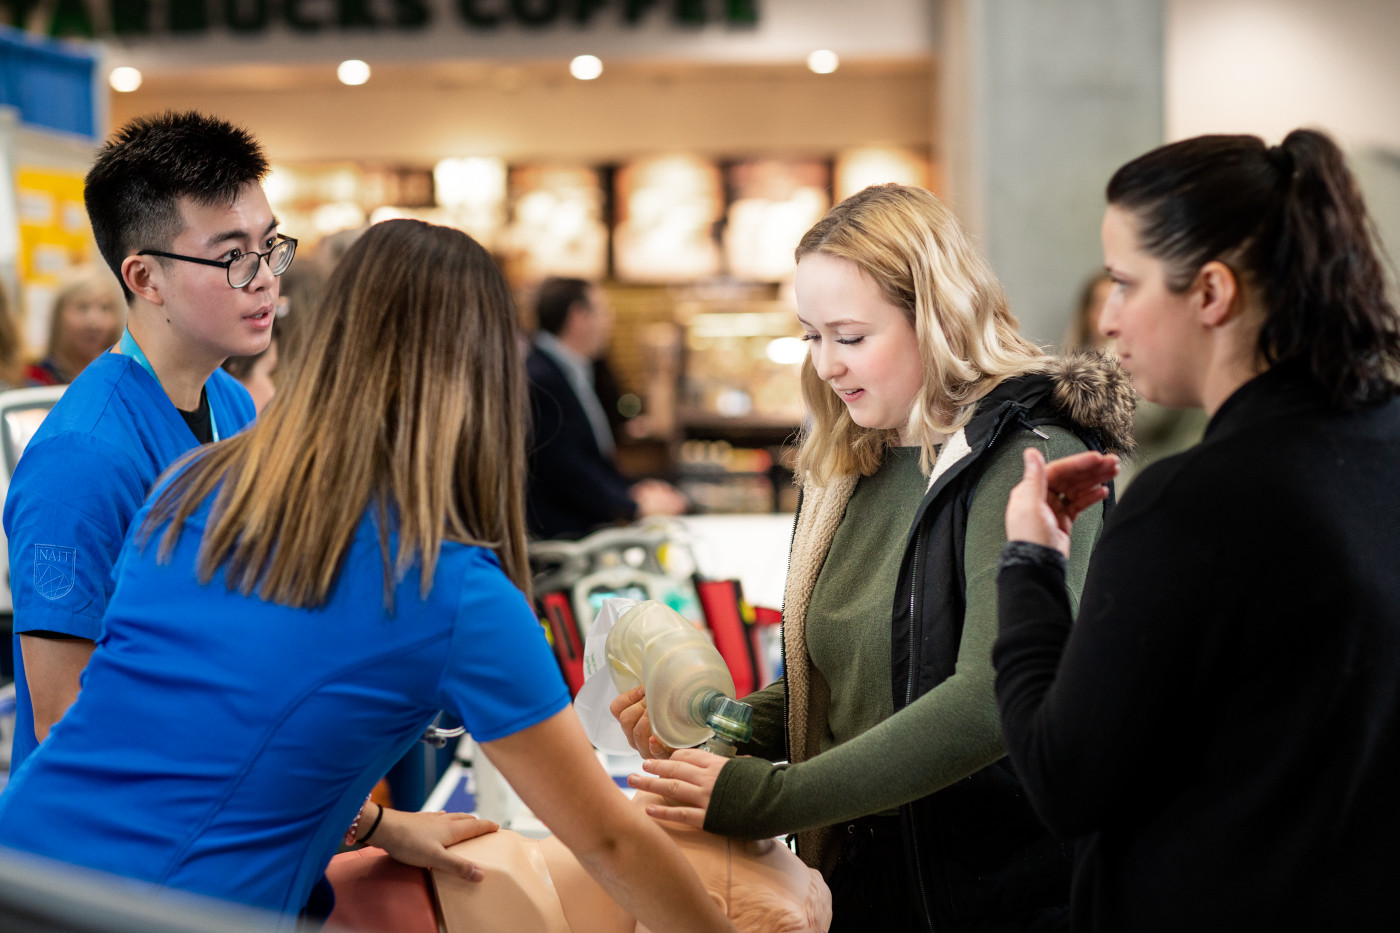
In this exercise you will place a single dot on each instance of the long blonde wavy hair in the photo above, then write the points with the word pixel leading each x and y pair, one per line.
pixel 408 399
pixel 914 250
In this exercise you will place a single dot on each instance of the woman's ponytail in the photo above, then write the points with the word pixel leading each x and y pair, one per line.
pixel 1322 276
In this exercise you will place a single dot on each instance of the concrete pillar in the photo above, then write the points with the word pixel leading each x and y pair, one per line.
pixel 1378 172
pixel 1040 100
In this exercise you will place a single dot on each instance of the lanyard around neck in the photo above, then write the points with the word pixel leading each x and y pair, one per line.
pixel 129 347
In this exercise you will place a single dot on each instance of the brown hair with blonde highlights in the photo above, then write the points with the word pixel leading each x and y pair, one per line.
pixel 408 399
pixel 911 247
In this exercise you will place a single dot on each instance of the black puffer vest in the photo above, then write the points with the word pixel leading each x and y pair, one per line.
pixel 979 858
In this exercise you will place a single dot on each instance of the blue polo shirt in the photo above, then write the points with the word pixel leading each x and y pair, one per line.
pixel 222 743
pixel 83 476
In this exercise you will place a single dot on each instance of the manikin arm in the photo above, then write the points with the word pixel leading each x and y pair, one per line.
pixel 553 768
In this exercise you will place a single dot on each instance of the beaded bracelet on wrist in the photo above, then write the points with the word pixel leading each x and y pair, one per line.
pixel 355 824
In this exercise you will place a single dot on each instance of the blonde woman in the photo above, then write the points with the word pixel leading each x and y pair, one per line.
pixel 86 321
pixel 297 601
pixel 922 398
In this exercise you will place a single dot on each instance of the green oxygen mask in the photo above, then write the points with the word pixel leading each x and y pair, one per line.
pixel 690 693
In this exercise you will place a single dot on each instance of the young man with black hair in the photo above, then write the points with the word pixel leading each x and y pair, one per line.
pixel 179 214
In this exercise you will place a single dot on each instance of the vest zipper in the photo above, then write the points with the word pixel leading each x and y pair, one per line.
pixel 909 698
pixel 913 620
pixel 1020 415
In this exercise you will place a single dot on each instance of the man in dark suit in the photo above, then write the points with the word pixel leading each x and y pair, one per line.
pixel 574 485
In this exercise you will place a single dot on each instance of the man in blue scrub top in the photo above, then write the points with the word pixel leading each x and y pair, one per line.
pixel 178 212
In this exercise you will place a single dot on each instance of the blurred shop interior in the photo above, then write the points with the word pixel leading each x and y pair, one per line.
pixel 675 151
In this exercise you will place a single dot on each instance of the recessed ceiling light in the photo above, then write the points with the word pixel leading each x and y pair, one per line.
pixel 823 61
pixel 586 67
pixel 352 72
pixel 124 79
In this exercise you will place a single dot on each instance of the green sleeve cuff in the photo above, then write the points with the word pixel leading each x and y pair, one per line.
pixel 741 804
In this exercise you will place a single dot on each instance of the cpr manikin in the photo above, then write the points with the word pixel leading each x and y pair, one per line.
pixel 538 886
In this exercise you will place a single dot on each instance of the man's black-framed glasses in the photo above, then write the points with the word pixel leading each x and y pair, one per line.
pixel 243 268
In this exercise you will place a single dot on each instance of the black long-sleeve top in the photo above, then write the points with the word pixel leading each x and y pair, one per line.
pixel 1220 725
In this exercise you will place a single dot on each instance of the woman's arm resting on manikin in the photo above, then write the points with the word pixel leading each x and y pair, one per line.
pixel 422 839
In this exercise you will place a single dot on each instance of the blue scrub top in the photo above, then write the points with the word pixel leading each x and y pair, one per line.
pixel 221 743
pixel 82 477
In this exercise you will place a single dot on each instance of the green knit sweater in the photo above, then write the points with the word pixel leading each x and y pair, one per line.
pixel 871 761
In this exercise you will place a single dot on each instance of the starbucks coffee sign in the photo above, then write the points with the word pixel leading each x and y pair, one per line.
pixel 141 19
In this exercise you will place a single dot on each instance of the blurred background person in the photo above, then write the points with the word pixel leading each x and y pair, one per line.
pixel 9 379
pixel 86 321
pixel 1084 326
pixel 574 484
pixel 296 304
pixel 256 373
pixel 1158 431
pixel 9 345
pixel 301 288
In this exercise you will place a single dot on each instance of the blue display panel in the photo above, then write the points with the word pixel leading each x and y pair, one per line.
pixel 50 83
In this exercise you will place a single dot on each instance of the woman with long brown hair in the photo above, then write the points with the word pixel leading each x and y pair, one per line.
pixel 298 601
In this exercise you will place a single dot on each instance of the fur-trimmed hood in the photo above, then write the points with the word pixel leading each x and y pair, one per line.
pixel 1095 391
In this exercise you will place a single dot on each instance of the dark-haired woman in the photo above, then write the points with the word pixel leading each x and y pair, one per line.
pixel 297 601
pixel 1220 724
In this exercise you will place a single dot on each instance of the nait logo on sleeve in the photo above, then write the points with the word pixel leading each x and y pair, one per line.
pixel 55 569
